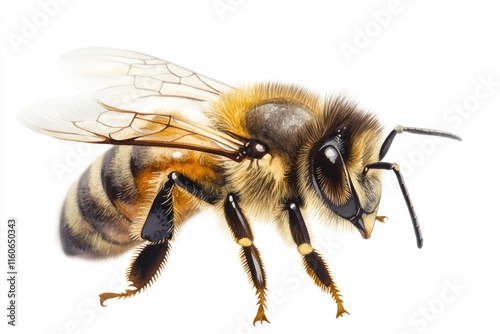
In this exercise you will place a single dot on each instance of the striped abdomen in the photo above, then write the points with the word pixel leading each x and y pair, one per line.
pixel 115 193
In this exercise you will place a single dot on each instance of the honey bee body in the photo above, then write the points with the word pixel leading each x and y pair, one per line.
pixel 118 188
pixel 272 152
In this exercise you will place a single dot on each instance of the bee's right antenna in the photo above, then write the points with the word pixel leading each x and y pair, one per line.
pixel 392 166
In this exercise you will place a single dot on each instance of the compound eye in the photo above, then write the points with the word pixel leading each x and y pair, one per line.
pixel 331 180
pixel 329 174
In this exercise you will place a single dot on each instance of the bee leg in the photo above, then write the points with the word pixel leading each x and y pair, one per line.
pixel 158 229
pixel 151 258
pixel 193 188
pixel 143 270
pixel 250 256
pixel 312 260
pixel 159 223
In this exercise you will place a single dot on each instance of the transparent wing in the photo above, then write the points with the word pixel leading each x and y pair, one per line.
pixel 135 81
pixel 87 120
pixel 133 99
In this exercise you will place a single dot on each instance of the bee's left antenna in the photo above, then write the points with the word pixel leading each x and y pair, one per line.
pixel 419 131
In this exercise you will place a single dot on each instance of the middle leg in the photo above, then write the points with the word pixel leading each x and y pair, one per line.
pixel 250 256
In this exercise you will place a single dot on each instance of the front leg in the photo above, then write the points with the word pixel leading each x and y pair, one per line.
pixel 250 256
pixel 313 262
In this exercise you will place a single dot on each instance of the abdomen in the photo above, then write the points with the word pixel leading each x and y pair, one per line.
pixel 105 208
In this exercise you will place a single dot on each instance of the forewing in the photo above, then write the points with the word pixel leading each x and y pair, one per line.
pixel 132 99
pixel 87 120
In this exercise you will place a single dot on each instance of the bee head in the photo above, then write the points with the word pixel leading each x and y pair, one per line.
pixel 346 140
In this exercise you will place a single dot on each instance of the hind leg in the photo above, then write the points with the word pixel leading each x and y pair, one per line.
pixel 158 229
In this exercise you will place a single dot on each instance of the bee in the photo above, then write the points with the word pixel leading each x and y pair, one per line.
pixel 182 142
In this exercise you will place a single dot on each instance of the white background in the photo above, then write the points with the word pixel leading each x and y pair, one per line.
pixel 415 66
